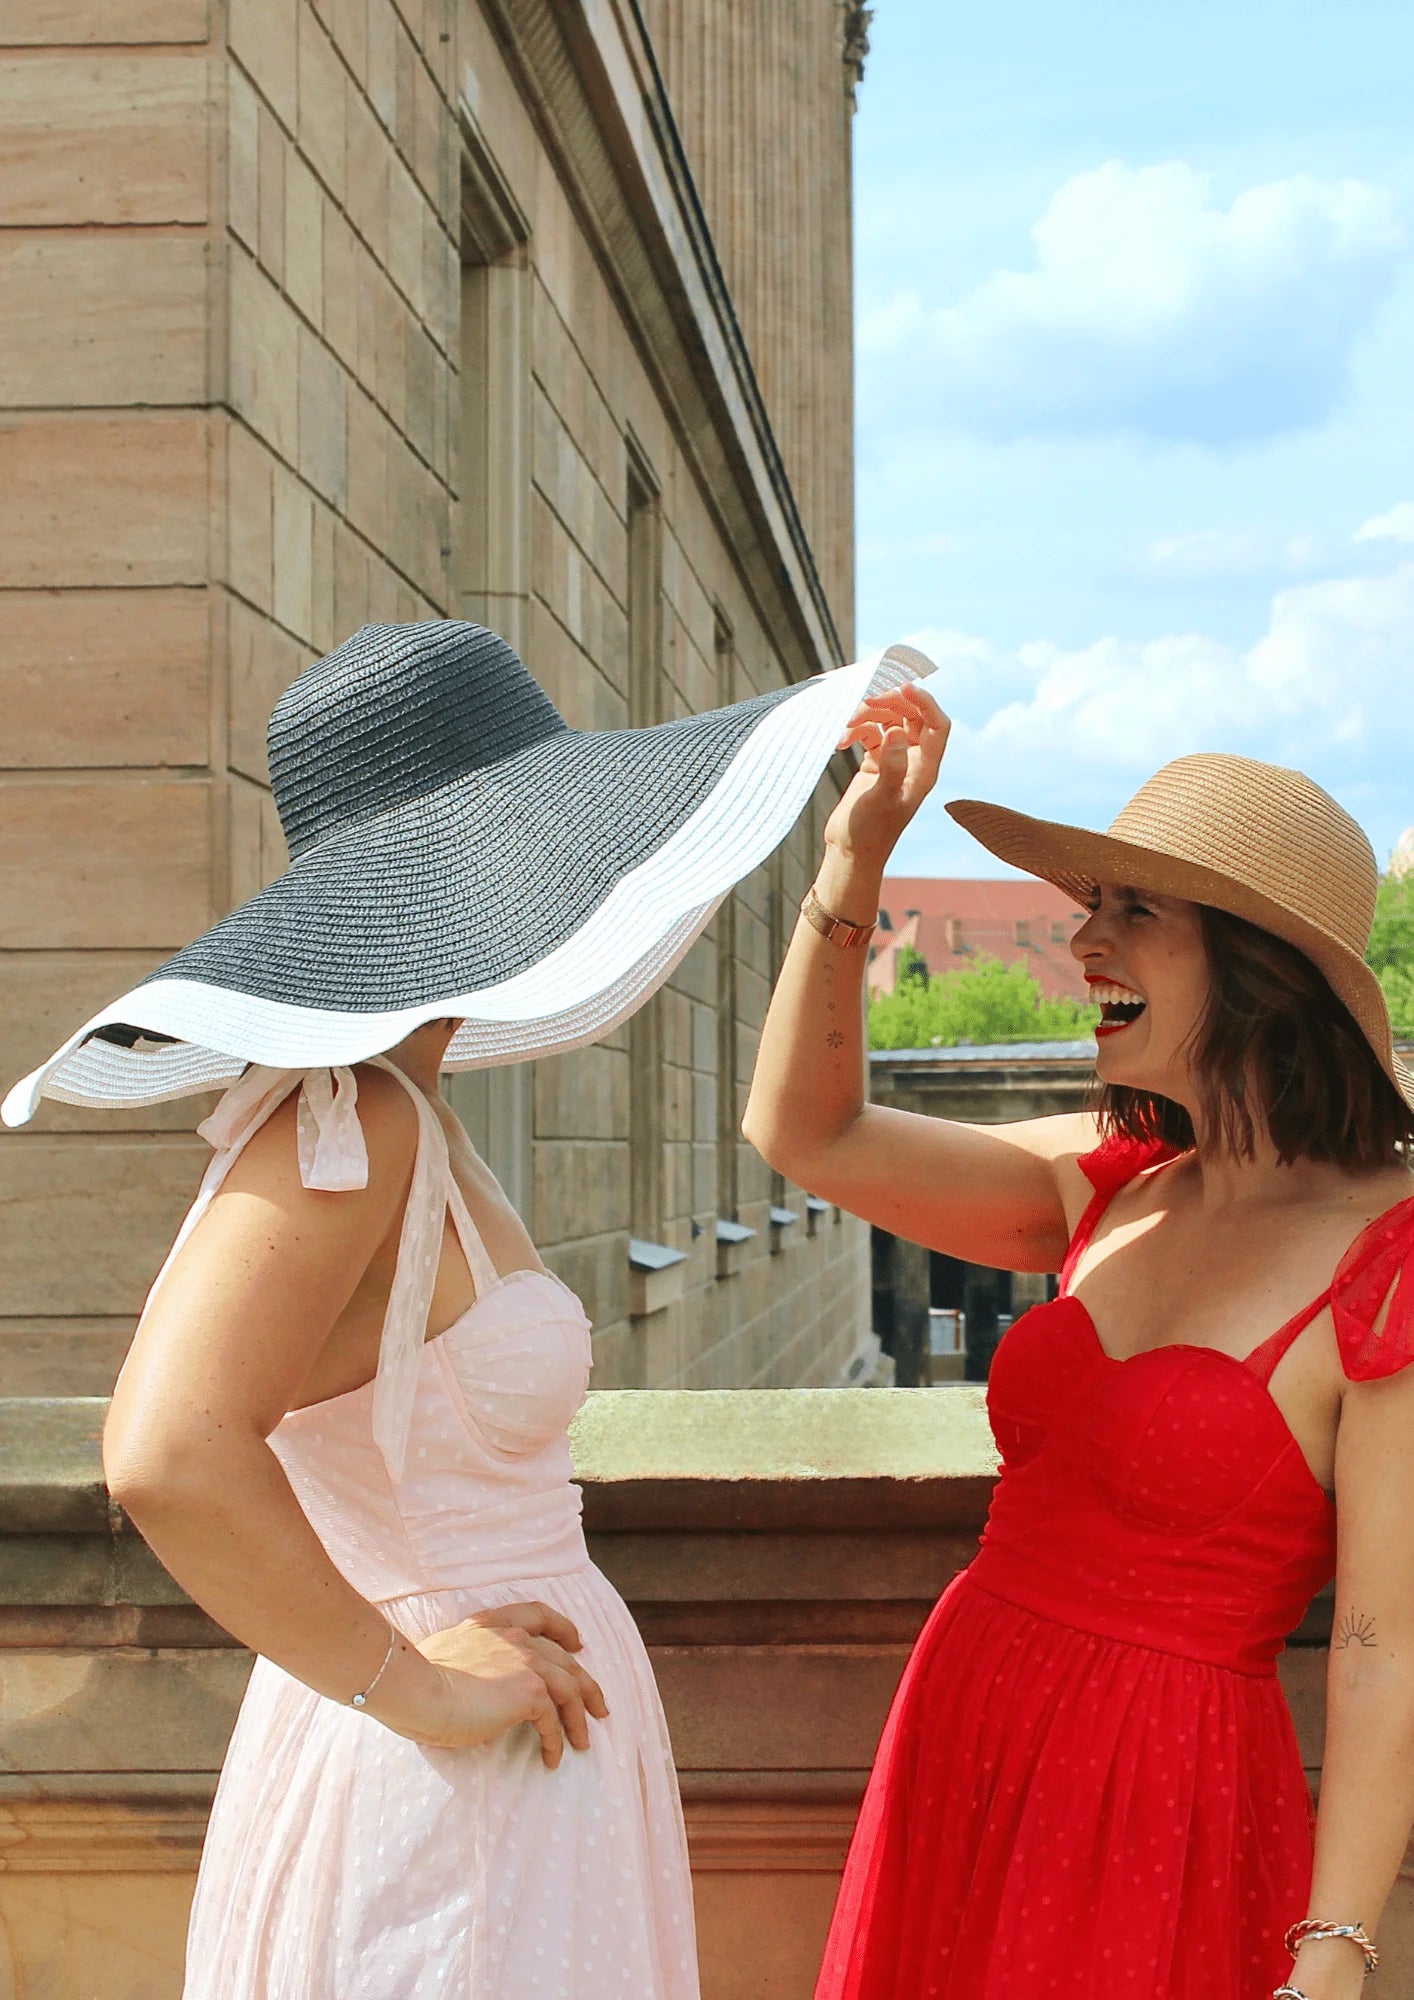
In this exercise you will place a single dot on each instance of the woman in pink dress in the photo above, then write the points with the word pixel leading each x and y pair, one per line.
pixel 343 1422
pixel 1089 1785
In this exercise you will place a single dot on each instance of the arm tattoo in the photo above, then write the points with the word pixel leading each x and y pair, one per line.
pixel 1355 1629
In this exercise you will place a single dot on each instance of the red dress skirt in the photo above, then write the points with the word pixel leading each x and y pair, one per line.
pixel 1089 1783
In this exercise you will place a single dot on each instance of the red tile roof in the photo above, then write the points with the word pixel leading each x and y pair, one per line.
pixel 949 921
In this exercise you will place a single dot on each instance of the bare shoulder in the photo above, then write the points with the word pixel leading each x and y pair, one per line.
pixel 268 1165
pixel 1062 1142
pixel 389 1120
pixel 1068 1135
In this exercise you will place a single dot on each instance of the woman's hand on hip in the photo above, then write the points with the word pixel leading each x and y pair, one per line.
pixel 494 1672
pixel 903 735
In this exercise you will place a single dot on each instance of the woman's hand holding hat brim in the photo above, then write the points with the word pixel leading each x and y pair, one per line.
pixel 903 734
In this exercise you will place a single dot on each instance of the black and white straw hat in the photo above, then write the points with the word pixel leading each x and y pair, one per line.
pixel 457 849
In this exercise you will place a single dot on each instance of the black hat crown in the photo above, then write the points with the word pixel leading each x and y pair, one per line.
pixel 394 713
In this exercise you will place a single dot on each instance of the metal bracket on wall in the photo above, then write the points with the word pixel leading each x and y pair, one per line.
pixel 731 1240
pixel 655 1275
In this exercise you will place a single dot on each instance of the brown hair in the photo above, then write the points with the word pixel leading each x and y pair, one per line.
pixel 1273 1044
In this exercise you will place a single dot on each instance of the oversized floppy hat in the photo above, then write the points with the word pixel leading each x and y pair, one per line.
pixel 456 849
pixel 1256 840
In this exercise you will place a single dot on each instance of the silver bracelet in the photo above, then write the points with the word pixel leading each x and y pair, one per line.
pixel 1288 1993
pixel 361 1700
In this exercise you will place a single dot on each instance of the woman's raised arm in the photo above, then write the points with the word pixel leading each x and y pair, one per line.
pixel 1006 1195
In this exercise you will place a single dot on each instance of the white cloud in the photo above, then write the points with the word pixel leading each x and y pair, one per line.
pixel 1395 526
pixel 1150 309
pixel 1070 733
pixel 1227 555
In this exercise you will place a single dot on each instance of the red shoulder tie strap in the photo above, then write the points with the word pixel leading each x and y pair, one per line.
pixel 1372 1297
pixel 1263 1359
pixel 1376 1271
pixel 1112 1165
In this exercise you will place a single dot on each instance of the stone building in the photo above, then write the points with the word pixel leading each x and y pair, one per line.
pixel 320 311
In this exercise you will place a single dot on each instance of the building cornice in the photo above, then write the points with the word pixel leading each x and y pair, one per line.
pixel 856 44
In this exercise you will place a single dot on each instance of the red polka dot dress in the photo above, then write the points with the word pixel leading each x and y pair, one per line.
pixel 1089 1783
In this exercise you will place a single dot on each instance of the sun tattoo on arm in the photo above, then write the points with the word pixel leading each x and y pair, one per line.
pixel 1355 1629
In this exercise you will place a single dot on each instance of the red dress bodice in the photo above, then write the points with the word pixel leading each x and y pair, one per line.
pixel 1163 1499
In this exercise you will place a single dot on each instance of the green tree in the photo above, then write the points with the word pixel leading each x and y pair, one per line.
pixel 982 1003
pixel 1391 952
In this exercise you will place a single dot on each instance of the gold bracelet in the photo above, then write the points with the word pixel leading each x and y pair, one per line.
pixel 838 930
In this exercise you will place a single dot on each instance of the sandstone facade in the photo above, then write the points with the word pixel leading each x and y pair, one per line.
pixel 320 311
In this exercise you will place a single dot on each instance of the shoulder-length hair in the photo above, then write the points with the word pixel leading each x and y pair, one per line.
pixel 1273 1049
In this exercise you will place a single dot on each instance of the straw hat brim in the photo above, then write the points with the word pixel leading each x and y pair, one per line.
pixel 539 900
pixel 1078 860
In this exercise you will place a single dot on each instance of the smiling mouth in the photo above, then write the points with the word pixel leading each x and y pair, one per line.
pixel 1119 1005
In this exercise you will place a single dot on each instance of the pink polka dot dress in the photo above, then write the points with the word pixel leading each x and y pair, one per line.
pixel 343 1862
pixel 1089 1783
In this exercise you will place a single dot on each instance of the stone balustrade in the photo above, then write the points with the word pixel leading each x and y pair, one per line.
pixel 779 1549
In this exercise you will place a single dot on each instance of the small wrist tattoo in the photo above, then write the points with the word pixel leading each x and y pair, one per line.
pixel 1355 1629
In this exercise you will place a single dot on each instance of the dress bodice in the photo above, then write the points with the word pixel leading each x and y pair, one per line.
pixel 485 1494
pixel 451 1468
pixel 1163 1498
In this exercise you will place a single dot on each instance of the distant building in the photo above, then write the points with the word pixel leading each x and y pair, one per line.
pixel 950 923
pixel 1401 862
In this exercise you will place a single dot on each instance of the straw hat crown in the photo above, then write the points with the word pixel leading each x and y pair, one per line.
pixel 392 715
pixel 1265 826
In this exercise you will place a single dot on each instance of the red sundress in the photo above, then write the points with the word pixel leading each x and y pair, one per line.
pixel 1089 1783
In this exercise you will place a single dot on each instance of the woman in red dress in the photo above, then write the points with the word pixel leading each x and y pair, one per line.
pixel 1089 1784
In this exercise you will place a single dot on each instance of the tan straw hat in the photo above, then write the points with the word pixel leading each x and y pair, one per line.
pixel 1256 840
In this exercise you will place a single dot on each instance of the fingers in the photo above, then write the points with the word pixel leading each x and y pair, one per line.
pixel 540 1620
pixel 587 1690
pixel 537 1675
pixel 545 1719
pixel 891 759
pixel 565 1694
pixel 863 730
pixel 910 706
pixel 573 1696
pixel 555 1626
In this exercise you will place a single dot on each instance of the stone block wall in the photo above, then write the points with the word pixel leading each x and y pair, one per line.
pixel 797 1309
pixel 340 195
pixel 762 93
pixel 110 826
pixel 305 320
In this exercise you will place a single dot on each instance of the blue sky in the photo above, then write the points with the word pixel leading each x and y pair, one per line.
pixel 1135 327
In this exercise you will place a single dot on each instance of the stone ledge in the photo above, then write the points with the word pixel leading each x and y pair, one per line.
pixel 656 1459
pixel 51 1470
pixel 767 1461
